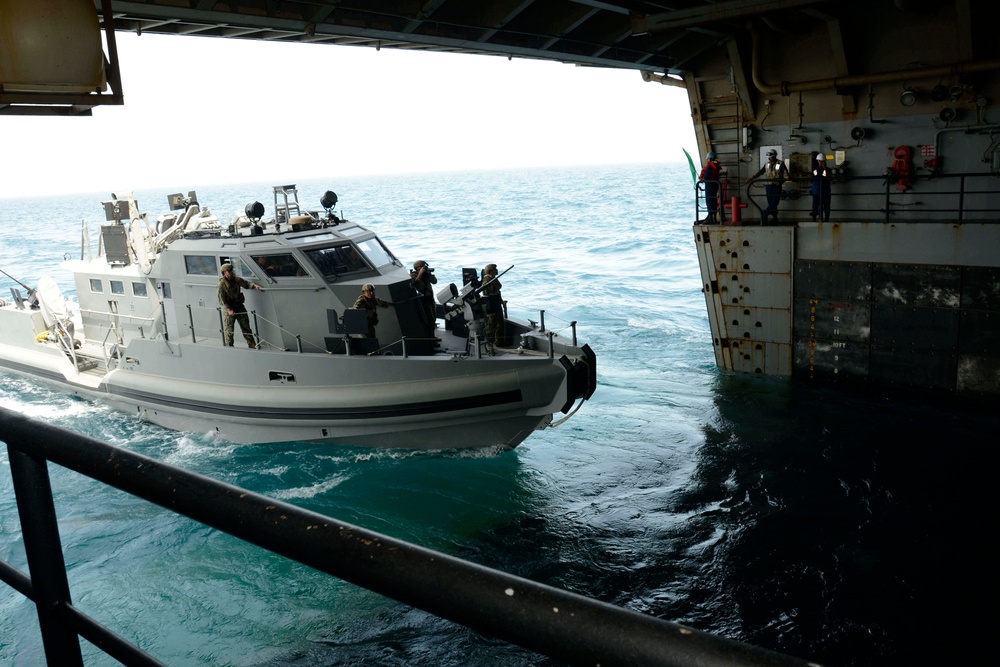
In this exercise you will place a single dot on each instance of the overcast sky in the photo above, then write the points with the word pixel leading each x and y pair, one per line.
pixel 206 111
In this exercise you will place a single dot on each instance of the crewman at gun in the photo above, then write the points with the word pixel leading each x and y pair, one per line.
pixel 494 305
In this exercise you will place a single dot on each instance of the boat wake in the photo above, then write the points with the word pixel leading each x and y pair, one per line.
pixel 35 401
pixel 189 448
pixel 311 491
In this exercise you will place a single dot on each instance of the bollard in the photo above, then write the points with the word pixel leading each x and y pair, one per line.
pixel 734 211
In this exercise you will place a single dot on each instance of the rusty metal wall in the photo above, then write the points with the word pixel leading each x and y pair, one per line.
pixel 919 326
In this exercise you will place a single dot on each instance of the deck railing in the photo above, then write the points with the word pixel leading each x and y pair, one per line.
pixel 925 198
pixel 563 625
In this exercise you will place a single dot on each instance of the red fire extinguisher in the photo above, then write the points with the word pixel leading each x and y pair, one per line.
pixel 902 167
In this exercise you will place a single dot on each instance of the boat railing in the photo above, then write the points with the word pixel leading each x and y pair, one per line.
pixel 114 316
pixel 255 321
pixel 567 325
pixel 105 346
pixel 566 626
pixel 400 342
pixel 257 318
pixel 65 341
pixel 963 197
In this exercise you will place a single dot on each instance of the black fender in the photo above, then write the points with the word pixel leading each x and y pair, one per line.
pixel 581 376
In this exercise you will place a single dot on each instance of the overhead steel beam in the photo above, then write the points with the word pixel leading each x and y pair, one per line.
pixel 720 11
pixel 425 12
pixel 191 20
pixel 611 7
pixel 488 34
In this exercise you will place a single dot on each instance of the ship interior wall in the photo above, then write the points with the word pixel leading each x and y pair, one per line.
pixel 905 146
pixel 822 303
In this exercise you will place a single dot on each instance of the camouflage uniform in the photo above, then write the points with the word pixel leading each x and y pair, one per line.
pixel 494 305
pixel 370 306
pixel 232 299
pixel 423 286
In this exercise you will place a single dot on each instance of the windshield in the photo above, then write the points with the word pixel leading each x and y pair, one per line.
pixel 338 260
pixel 376 252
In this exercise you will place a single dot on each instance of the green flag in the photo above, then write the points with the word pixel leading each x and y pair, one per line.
pixel 694 172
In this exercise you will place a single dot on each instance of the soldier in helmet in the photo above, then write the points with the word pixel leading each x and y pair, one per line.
pixel 422 277
pixel 231 299
pixel 370 303
pixel 820 189
pixel 710 177
pixel 494 305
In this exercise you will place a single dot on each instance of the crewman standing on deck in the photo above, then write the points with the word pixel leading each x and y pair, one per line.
pixel 820 190
pixel 231 299
pixel 422 277
pixel 710 177
pixel 494 306
pixel 370 303
pixel 775 174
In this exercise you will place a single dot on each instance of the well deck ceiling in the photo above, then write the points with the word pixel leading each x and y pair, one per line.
pixel 662 37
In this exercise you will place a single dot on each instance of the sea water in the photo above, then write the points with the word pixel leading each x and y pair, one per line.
pixel 843 527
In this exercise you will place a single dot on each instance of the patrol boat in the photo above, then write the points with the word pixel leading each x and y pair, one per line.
pixel 147 336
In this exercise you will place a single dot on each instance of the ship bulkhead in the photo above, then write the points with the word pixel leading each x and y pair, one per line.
pixel 899 283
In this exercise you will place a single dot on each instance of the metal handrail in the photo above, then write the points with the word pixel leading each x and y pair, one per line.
pixel 111 314
pixel 563 625
pixel 298 337
pixel 885 188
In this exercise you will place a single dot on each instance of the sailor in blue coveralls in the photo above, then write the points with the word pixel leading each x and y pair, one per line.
pixel 820 189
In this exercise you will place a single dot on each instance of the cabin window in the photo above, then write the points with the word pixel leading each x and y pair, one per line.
pixel 335 261
pixel 376 253
pixel 281 266
pixel 96 285
pixel 240 268
pixel 166 290
pixel 117 287
pixel 139 289
pixel 201 265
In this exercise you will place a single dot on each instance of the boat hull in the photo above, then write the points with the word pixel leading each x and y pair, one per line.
pixel 258 396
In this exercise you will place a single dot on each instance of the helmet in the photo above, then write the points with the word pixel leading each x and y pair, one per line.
pixel 772 152
pixel 711 155
pixel 820 157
